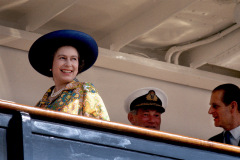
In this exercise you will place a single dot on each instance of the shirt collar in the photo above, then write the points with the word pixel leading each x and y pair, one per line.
pixel 72 85
pixel 236 132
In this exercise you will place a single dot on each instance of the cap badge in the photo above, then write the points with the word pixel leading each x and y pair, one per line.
pixel 151 96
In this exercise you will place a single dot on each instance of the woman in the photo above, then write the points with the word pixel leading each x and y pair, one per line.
pixel 62 55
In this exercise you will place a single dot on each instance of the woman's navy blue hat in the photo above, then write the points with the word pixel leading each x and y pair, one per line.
pixel 42 50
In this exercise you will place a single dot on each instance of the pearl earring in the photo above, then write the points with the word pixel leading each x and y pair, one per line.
pixel 50 70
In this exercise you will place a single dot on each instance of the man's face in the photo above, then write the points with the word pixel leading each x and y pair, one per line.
pixel 220 112
pixel 148 118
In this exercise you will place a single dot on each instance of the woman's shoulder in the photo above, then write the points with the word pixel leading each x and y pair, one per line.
pixel 87 86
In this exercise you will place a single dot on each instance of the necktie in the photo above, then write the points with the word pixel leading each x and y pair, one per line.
pixel 227 137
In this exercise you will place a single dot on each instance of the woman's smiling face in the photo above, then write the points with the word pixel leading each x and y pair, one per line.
pixel 65 65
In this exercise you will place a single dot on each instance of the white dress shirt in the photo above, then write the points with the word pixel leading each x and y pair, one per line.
pixel 235 136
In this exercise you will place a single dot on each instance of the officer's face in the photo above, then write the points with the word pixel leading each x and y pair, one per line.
pixel 148 118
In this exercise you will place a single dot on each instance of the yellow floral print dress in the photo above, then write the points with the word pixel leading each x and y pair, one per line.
pixel 79 98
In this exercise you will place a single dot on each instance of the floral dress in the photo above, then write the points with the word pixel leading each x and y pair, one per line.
pixel 79 98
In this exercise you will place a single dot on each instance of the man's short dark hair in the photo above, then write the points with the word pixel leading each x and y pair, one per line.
pixel 231 92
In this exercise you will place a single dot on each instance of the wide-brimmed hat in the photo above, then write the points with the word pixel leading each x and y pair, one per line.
pixel 149 97
pixel 42 51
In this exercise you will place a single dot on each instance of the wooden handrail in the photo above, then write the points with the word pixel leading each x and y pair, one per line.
pixel 147 133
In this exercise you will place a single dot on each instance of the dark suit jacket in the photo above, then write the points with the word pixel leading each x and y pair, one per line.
pixel 219 138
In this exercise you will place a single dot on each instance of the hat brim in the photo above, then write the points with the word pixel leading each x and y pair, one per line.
pixel 157 108
pixel 42 51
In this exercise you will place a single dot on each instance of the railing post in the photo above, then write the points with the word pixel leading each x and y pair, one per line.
pixel 19 143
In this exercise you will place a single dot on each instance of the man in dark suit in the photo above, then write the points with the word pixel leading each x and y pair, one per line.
pixel 225 109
